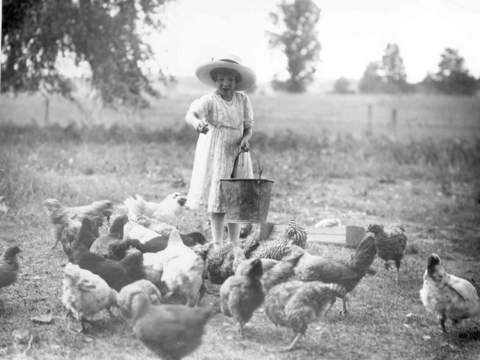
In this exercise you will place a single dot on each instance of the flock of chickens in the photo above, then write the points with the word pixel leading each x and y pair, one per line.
pixel 142 260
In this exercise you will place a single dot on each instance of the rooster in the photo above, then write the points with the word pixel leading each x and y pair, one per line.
pixel 296 304
pixel 115 234
pixel 60 215
pixel 279 248
pixel 170 331
pixel 242 294
pixel 9 266
pixel 391 243
pixel 85 294
pixel 3 206
pixel 346 273
pixel 168 211
pixel 447 296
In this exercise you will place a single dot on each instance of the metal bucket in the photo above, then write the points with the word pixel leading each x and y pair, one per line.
pixel 247 200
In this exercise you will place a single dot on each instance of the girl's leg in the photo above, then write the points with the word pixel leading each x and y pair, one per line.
pixel 217 229
pixel 234 232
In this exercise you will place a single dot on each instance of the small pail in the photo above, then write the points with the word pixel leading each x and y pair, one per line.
pixel 247 200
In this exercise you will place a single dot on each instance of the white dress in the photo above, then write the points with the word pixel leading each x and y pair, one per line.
pixel 216 150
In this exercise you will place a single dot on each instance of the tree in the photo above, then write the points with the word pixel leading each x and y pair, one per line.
pixel 342 86
pixel 298 39
pixel 387 76
pixel 102 33
pixel 452 77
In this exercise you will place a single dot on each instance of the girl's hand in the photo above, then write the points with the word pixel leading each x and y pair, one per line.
pixel 244 143
pixel 202 127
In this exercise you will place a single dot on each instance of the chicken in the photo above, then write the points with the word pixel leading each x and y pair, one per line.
pixel 170 331
pixel 153 245
pixel 245 230
pixel 168 211
pixel 101 245
pixel 78 237
pixel 447 296
pixel 85 294
pixel 3 206
pixel 9 266
pixel 347 273
pixel 127 294
pixel 242 294
pixel 220 263
pixel 274 271
pixel 391 242
pixel 161 228
pixel 296 304
pixel 61 215
pixel 329 223
pixel 182 270
pixel 277 249
pixel 117 274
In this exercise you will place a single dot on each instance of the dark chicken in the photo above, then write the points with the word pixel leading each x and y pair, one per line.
pixel 391 243
pixel 9 266
pixel 346 273
pixel 170 331
pixel 115 234
pixel 242 294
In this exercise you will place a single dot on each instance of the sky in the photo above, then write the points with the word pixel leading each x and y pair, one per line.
pixel 352 33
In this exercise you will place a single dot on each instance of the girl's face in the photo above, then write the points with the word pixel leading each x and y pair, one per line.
pixel 225 86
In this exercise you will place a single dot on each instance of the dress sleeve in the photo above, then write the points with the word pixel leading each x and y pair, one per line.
pixel 201 106
pixel 247 113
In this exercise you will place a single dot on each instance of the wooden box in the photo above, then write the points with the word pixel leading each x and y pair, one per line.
pixel 350 236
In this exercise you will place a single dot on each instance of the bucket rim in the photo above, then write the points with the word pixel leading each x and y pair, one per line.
pixel 235 179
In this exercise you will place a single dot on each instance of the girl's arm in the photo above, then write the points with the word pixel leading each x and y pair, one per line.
pixel 199 125
pixel 247 134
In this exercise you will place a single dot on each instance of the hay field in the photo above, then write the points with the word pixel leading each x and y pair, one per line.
pixel 430 182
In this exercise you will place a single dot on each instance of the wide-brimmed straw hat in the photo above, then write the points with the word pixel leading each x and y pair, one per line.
pixel 228 61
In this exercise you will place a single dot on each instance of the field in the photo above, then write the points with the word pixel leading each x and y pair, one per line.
pixel 328 160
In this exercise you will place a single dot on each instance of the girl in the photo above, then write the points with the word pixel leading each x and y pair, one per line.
pixel 224 119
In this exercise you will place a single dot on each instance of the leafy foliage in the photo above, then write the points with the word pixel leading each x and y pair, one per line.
pixel 102 33
pixel 342 86
pixel 452 76
pixel 387 76
pixel 298 40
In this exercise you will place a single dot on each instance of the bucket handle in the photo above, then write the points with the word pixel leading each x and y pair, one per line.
pixel 246 149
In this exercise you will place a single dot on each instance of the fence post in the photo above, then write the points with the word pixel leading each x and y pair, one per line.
pixel 393 121
pixel 369 120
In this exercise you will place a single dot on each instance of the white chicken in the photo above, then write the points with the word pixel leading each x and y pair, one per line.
pixel 126 295
pixel 168 211
pixel 329 223
pixel 139 232
pixel 161 228
pixel 85 294
pixel 182 269
pixel 447 296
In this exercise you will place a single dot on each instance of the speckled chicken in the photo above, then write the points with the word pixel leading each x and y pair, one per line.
pixel 242 294
pixel 447 296
pixel 128 293
pixel 296 304
pixel 85 294
pixel 279 248
pixel 170 331
pixel 115 234
pixel 347 273
pixel 61 215
pixel 9 266
pixel 168 211
pixel 274 271
pixel 78 237
pixel 391 243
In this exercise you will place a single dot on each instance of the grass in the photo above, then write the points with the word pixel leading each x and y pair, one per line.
pixel 429 185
